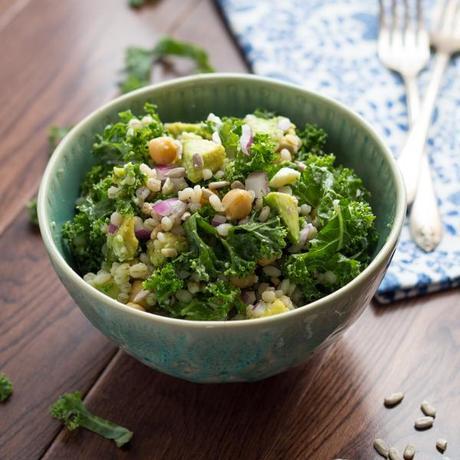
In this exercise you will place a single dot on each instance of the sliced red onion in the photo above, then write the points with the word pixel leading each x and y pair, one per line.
pixel 218 219
pixel 305 233
pixel 167 207
pixel 111 229
pixel 215 119
pixel 216 138
pixel 258 183
pixel 246 139
pixel 142 234
pixel 284 123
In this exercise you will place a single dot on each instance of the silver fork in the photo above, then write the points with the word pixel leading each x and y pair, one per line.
pixel 445 37
pixel 403 46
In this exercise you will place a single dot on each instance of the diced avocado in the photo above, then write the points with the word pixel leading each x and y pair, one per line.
pixel 123 244
pixel 265 126
pixel 177 128
pixel 286 206
pixel 199 154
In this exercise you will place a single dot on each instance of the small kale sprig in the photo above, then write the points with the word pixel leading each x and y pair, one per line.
pixel 71 411
pixel 6 388
pixel 139 61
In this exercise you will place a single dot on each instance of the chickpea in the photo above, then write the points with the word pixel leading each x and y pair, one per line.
pixel 237 203
pixel 243 282
pixel 264 261
pixel 163 150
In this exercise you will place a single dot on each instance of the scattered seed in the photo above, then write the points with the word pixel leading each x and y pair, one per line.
pixel 409 452
pixel 393 400
pixel 176 172
pixel 428 409
pixel 381 447
pixel 423 423
pixel 197 161
pixel 393 454
pixel 441 445
pixel 219 184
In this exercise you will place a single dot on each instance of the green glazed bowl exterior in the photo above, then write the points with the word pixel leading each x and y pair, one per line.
pixel 219 351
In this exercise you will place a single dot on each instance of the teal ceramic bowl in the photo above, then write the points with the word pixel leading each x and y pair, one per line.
pixel 219 351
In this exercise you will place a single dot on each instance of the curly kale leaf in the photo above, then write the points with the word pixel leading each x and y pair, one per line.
pixel 313 141
pixel 338 253
pixel 261 157
pixel 347 231
pixel 6 387
pixel 70 410
pixel 120 143
pixel 164 282
pixel 216 303
pixel 317 276
pixel 321 177
pixel 85 237
pixel 258 240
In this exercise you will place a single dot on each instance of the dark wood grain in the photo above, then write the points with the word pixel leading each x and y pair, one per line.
pixel 329 408
pixel 59 62
pixel 46 345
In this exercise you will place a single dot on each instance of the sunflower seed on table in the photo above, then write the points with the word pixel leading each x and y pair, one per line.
pixel 381 447
pixel 423 423
pixel 428 409
pixel 393 454
pixel 441 445
pixel 409 452
pixel 393 399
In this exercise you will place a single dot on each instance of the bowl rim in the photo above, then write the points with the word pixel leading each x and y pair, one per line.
pixel 58 259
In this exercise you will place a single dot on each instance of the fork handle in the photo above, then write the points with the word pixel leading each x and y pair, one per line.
pixel 411 155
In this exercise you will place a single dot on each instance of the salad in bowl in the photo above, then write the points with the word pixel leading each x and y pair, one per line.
pixel 224 219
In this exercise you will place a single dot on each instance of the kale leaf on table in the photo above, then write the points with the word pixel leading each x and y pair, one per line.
pixel 6 387
pixel 139 61
pixel 71 411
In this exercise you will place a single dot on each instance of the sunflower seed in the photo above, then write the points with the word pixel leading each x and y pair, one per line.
pixel 381 447
pixel 424 423
pixel 393 399
pixel 197 161
pixel 409 452
pixel 219 184
pixel 176 172
pixel 441 445
pixel 428 409
pixel 393 454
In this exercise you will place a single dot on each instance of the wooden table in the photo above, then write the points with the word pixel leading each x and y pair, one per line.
pixel 58 61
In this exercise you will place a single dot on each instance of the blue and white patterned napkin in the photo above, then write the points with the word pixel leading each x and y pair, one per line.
pixel 330 46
